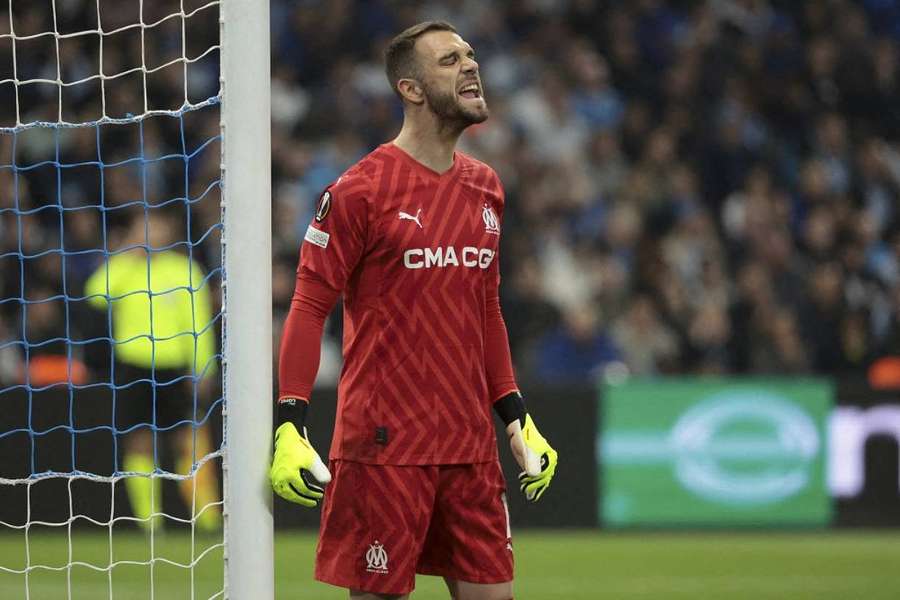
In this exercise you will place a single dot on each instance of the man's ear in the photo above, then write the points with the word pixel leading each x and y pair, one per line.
pixel 411 91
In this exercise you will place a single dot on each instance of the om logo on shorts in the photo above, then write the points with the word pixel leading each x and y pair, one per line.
pixel 377 559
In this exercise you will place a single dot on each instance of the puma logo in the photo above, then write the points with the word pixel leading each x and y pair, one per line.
pixel 409 217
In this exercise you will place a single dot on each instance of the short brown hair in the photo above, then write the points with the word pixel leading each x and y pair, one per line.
pixel 400 58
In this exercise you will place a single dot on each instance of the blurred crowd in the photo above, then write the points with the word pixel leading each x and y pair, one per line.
pixel 70 196
pixel 692 186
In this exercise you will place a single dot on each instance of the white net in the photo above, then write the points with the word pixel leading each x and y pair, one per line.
pixel 71 61
pixel 110 311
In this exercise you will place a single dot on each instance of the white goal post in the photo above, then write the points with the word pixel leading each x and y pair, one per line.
pixel 247 341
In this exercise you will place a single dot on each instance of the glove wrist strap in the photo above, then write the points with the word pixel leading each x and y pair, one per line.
pixel 510 408
pixel 292 410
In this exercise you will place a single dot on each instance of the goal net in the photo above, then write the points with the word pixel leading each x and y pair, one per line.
pixel 111 312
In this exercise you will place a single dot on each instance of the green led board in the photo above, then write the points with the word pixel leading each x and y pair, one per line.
pixel 714 452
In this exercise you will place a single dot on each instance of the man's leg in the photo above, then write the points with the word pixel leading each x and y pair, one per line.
pixel 144 492
pixel 203 489
pixel 464 590
pixel 358 595
pixel 134 437
pixel 469 539
pixel 373 525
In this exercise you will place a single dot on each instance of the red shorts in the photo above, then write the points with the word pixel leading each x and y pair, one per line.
pixel 382 524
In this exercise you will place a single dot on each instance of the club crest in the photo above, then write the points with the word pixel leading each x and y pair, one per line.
pixel 377 559
pixel 491 222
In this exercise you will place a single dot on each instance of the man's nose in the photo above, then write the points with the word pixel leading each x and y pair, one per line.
pixel 470 65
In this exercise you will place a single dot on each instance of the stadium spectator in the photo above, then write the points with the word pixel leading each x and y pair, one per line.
pixel 577 350
pixel 734 159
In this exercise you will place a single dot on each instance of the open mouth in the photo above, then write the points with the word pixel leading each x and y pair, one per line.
pixel 470 91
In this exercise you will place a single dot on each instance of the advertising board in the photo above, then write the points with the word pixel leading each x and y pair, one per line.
pixel 864 457
pixel 717 452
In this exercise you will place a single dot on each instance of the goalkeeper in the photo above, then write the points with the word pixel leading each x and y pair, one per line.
pixel 410 237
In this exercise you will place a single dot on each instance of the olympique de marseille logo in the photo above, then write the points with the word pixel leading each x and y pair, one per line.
pixel 491 222
pixel 376 559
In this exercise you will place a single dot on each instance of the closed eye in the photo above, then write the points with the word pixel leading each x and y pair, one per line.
pixel 453 57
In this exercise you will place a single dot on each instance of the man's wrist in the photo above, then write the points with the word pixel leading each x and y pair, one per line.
pixel 511 408
pixel 291 409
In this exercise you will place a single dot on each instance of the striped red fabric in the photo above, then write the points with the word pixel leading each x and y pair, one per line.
pixel 415 254
pixel 382 524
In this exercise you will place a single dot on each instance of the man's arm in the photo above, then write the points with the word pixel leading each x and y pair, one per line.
pixel 497 356
pixel 333 246
pixel 301 340
pixel 533 453
pixel 298 364
pixel 501 379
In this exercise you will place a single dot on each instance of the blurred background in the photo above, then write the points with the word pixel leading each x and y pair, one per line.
pixel 693 187
pixel 701 249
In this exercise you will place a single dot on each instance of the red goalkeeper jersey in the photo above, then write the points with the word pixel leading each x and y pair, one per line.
pixel 415 254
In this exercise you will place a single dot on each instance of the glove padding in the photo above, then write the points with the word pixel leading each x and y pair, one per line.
pixel 534 455
pixel 294 461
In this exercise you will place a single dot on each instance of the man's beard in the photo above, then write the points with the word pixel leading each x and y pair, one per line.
pixel 450 112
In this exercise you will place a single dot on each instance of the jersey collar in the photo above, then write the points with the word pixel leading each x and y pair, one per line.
pixel 418 167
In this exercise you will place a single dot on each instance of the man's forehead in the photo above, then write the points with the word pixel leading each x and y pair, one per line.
pixel 438 43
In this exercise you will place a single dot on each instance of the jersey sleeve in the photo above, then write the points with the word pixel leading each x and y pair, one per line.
pixel 497 356
pixel 336 238
pixel 301 340
pixel 334 243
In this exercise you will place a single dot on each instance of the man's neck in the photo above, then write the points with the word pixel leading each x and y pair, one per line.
pixel 428 143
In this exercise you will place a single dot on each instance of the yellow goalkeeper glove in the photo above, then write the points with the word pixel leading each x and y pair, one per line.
pixel 534 455
pixel 531 450
pixel 294 461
